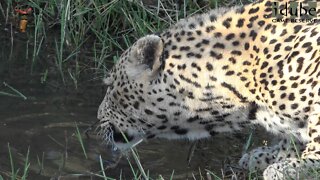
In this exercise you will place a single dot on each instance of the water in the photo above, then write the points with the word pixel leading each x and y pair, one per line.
pixel 45 123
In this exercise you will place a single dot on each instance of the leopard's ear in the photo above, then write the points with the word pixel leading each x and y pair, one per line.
pixel 147 52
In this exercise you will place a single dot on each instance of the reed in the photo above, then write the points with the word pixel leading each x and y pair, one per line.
pixel 85 38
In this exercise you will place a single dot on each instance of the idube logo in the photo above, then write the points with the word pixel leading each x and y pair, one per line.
pixel 295 12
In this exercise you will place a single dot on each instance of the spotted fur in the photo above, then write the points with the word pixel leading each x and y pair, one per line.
pixel 221 72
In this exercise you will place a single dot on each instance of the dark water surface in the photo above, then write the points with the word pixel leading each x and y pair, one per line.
pixel 46 124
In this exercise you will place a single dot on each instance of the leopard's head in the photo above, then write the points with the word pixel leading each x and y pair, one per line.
pixel 125 109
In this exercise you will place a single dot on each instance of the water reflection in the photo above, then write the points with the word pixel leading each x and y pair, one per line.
pixel 46 123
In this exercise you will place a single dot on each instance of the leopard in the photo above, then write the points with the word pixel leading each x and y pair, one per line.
pixel 221 72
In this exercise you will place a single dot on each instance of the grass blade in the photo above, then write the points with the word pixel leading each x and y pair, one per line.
pixel 78 135
pixel 13 172
pixel 15 91
pixel 26 166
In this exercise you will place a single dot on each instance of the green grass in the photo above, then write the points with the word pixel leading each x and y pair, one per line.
pixel 79 137
pixel 12 92
pixel 84 38
pixel 137 170
pixel 16 171
pixel 40 163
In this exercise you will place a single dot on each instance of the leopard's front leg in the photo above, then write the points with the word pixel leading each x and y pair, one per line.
pixel 261 157
pixel 305 167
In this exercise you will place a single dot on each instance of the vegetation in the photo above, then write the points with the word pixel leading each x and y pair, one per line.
pixel 76 42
